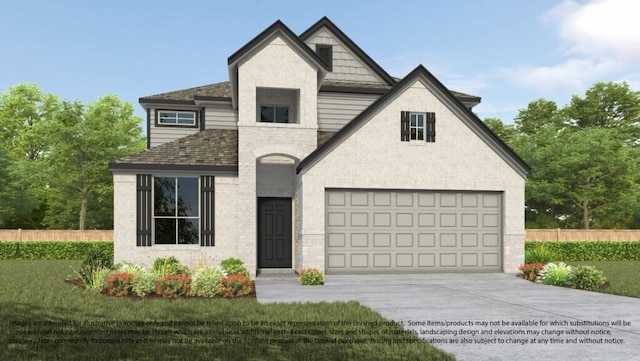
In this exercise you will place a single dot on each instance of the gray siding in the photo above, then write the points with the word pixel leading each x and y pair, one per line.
pixel 161 135
pixel 221 116
pixel 346 66
pixel 337 109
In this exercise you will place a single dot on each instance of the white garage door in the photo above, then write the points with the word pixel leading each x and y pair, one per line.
pixel 371 231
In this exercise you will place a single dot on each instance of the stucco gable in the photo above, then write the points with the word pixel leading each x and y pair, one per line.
pixel 445 98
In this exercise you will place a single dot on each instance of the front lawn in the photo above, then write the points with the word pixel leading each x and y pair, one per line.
pixel 622 276
pixel 42 317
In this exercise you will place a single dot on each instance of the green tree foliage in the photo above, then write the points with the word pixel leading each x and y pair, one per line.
pixel 584 159
pixel 54 158
pixel 84 139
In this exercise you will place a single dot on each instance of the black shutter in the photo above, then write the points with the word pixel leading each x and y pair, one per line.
pixel 207 201
pixel 143 210
pixel 404 126
pixel 431 127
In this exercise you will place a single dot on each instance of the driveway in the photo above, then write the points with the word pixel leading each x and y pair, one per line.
pixel 497 316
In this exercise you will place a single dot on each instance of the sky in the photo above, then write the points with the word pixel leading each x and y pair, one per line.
pixel 507 52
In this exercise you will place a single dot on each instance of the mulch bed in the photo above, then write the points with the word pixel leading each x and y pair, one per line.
pixel 78 283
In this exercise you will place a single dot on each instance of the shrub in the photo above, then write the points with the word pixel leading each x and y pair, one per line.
pixel 173 285
pixel 539 253
pixel 556 274
pixel 52 250
pixel 118 284
pixel 311 276
pixel 530 271
pixel 590 251
pixel 96 259
pixel 169 266
pixel 233 266
pixel 236 286
pixel 143 283
pixel 207 282
pixel 586 278
pixel 97 284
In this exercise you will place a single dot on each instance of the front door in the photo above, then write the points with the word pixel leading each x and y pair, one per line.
pixel 274 233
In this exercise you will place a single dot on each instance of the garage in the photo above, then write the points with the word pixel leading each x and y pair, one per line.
pixel 396 231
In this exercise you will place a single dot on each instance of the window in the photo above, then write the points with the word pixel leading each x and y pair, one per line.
pixel 325 52
pixel 179 118
pixel 176 213
pixel 274 114
pixel 415 126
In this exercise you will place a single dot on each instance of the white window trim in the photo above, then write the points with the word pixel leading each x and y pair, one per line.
pixel 176 117
pixel 416 127
pixel 154 217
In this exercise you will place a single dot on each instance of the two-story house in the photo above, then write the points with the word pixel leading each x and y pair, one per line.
pixel 312 155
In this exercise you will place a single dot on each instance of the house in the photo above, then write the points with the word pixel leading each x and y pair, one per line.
pixel 312 155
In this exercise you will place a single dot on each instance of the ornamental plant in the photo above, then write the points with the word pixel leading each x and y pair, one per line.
pixel 530 271
pixel 118 284
pixel 96 259
pixel 169 266
pixel 144 283
pixel 556 274
pixel 173 285
pixel 586 278
pixel 236 286
pixel 207 282
pixel 233 266
pixel 97 283
pixel 311 277
pixel 539 252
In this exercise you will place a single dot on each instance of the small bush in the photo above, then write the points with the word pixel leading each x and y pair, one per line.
pixel 169 266
pixel 530 271
pixel 539 253
pixel 97 284
pixel 207 282
pixel 311 277
pixel 590 251
pixel 173 285
pixel 556 274
pixel 143 284
pixel 236 286
pixel 233 266
pixel 118 284
pixel 586 278
pixel 96 259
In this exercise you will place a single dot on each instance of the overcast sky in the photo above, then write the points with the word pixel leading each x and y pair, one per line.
pixel 507 52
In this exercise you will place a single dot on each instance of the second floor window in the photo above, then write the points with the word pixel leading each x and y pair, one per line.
pixel 274 114
pixel 185 118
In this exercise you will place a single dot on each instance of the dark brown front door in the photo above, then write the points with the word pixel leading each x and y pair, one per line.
pixel 274 232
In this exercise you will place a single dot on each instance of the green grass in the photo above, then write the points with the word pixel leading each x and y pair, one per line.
pixel 44 318
pixel 622 276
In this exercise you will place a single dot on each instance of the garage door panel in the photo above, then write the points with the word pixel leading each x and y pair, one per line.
pixel 371 231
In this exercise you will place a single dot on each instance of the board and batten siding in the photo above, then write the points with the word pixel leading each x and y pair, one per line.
pixel 337 109
pixel 346 66
pixel 161 135
pixel 220 116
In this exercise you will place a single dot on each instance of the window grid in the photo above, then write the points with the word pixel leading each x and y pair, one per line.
pixel 416 126
pixel 185 230
pixel 274 114
pixel 176 118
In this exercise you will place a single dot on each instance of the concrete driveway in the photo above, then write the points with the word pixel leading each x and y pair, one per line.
pixel 566 324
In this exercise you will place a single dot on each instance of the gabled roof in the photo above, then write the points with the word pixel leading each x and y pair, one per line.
pixel 211 150
pixel 468 117
pixel 216 91
pixel 277 28
pixel 325 22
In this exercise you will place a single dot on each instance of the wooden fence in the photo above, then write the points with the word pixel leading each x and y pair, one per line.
pixel 544 235
pixel 55 235
pixel 577 235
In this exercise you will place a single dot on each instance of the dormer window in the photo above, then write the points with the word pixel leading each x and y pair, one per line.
pixel 325 52
pixel 274 114
pixel 183 118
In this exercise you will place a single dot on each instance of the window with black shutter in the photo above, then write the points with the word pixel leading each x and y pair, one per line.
pixel 431 127
pixel 404 126
pixel 143 210
pixel 207 191
pixel 417 126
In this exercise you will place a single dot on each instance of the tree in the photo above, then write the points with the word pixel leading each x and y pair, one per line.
pixel 506 132
pixel 84 139
pixel 539 114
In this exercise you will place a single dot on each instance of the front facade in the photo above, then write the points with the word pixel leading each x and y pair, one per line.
pixel 311 155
